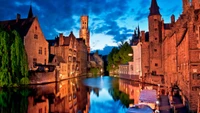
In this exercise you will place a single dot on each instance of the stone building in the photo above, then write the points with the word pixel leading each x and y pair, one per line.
pixel 173 51
pixel 33 38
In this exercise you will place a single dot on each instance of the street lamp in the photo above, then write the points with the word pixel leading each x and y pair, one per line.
pixel 130 54
pixel 157 107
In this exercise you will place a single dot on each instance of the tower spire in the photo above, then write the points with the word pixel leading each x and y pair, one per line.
pixel 30 13
pixel 154 9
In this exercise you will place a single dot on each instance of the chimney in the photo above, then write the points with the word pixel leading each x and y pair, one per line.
pixel 142 36
pixel 61 39
pixel 18 17
pixel 172 19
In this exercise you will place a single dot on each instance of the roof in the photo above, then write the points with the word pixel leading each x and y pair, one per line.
pixel 60 59
pixel 22 26
pixel 154 9
pixel 148 96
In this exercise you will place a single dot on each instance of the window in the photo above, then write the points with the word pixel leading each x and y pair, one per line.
pixel 35 27
pixel 153 73
pixel 34 62
pixel 196 76
pixel 40 50
pixel 156 29
pixel 156 64
pixel 155 50
pixel 155 38
pixel 45 51
pixel 40 110
pixel 45 61
pixel 35 36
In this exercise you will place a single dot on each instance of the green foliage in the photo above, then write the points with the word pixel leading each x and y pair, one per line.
pixel 94 71
pixel 119 56
pixel 13 65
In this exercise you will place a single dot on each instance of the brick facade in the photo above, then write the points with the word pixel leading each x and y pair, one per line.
pixel 174 50
pixel 36 45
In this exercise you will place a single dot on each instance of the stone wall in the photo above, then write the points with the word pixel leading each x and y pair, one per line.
pixel 42 77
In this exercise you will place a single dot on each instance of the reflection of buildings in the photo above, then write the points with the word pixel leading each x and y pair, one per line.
pixel 133 89
pixel 67 96
pixel 40 105
pixel 130 88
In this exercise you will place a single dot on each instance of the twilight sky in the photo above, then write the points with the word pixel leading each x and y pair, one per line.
pixel 109 20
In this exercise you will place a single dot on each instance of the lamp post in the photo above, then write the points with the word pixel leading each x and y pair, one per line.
pixel 157 107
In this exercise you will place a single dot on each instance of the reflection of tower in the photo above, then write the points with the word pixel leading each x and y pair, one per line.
pixel 84 32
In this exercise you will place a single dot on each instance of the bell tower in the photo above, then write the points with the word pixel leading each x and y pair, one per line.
pixel 84 31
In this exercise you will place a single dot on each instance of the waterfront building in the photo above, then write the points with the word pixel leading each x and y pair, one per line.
pixel 32 36
pixel 66 48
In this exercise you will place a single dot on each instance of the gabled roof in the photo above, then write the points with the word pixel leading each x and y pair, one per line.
pixel 22 26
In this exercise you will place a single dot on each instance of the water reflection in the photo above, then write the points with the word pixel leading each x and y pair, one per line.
pixel 78 95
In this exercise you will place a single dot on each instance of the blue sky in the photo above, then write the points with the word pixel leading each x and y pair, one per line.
pixel 110 21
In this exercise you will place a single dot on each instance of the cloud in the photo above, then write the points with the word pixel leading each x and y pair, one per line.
pixel 106 50
pixel 141 15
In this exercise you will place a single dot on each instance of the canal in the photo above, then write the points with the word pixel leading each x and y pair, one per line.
pixel 77 95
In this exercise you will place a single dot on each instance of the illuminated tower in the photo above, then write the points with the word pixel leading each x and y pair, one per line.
pixel 84 32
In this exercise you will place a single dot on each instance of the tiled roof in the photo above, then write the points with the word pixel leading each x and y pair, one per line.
pixel 22 26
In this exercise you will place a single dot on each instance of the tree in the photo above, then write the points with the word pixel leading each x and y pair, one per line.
pixel 13 65
pixel 119 55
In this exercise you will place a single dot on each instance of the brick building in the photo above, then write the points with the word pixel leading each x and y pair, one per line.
pixel 66 48
pixel 172 51
pixel 34 41
pixel 82 56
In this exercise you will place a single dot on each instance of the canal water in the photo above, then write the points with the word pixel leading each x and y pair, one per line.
pixel 77 95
